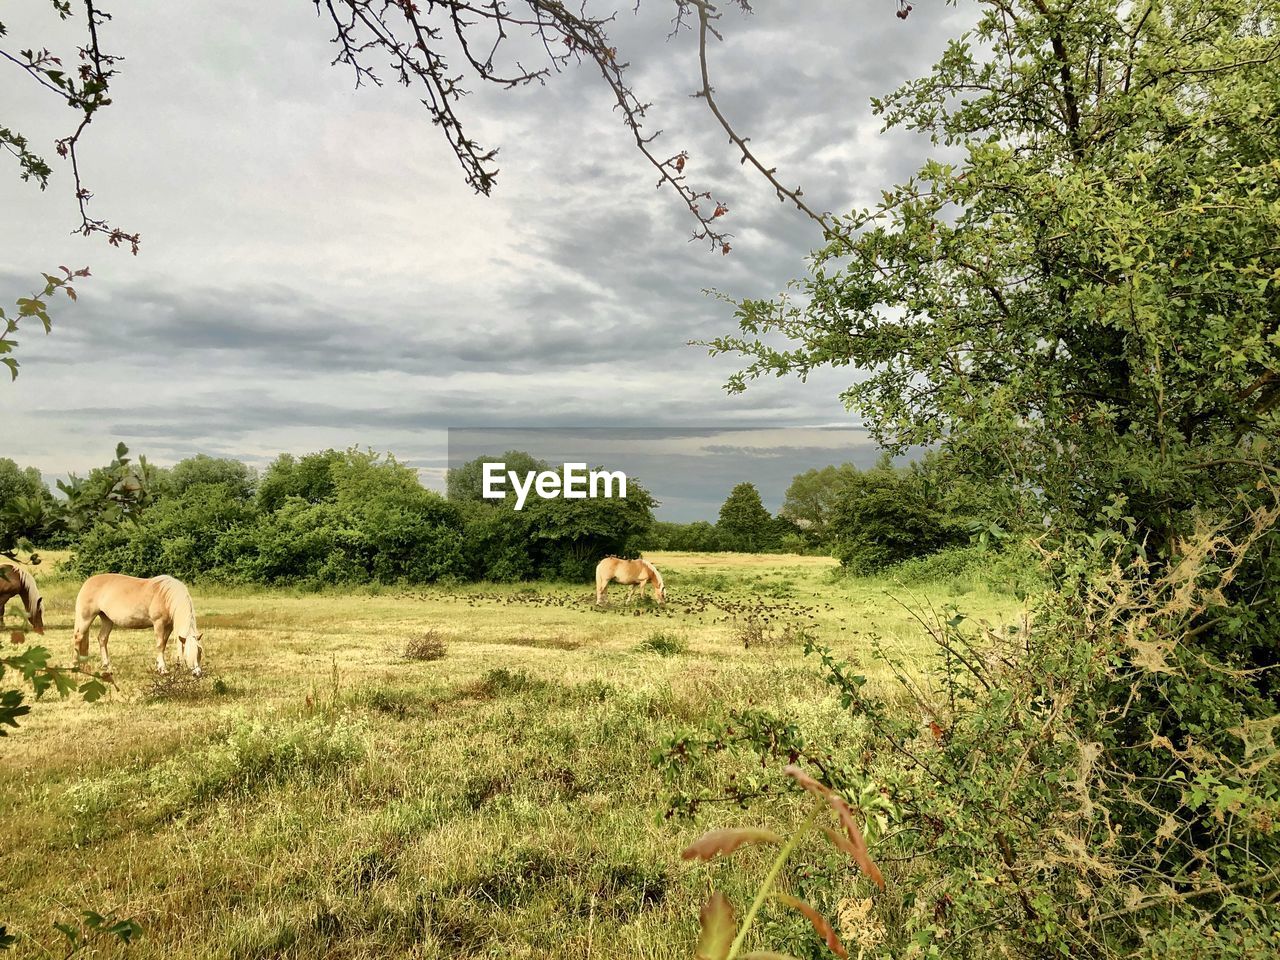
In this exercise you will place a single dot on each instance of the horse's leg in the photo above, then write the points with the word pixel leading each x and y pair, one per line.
pixel 104 633
pixel 602 587
pixel 162 640
pixel 80 644
pixel 3 602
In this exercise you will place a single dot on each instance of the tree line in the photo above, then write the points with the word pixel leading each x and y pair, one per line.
pixel 359 517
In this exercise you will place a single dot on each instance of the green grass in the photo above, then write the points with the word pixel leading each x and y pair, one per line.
pixel 319 794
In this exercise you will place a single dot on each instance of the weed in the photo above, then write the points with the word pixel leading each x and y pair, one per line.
pixel 664 644
pixel 426 646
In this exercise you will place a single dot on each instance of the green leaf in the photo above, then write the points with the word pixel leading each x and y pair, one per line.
pixel 717 928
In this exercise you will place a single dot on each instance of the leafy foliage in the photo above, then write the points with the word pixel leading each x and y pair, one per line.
pixel 555 537
pixel 722 937
pixel 698 536
pixel 744 524
pixel 814 497
pixel 1079 304
pixel 332 517
pixel 109 495
pixel 35 306
pixel 1085 304
pixel 93 927
pixel 28 513
pixel 32 666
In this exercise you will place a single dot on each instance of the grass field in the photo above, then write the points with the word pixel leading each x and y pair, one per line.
pixel 320 794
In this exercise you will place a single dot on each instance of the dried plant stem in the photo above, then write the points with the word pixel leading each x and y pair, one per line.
pixel 766 886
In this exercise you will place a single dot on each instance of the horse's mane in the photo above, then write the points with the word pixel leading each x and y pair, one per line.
pixel 28 590
pixel 653 570
pixel 178 597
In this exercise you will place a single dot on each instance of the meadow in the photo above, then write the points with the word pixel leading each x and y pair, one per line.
pixel 453 771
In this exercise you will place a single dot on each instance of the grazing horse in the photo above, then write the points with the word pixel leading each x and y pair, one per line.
pixel 16 582
pixel 637 573
pixel 134 603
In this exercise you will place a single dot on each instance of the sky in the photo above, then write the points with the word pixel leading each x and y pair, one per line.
pixel 315 273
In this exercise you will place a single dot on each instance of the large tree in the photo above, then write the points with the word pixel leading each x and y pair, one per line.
pixel 1084 297
pixel 1081 297
pixel 744 524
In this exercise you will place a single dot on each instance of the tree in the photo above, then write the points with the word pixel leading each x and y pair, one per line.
pixel 813 497
pixel 745 525
pixel 1083 301
pixel 238 477
pixel 110 495
pixel 465 483
pixel 310 478
pixel 698 537
pixel 887 514
pixel 28 513
pixel 554 537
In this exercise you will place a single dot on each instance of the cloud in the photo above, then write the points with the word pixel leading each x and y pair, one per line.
pixel 315 273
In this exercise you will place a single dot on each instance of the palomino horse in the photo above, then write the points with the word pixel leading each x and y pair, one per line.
pixel 16 582
pixel 134 603
pixel 637 573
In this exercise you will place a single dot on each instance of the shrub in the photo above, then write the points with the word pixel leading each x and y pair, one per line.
pixel 1096 783
pixel 425 646
pixel 502 682
pixel 664 644
pixel 756 632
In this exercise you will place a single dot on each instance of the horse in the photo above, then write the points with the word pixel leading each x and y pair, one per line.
pixel 16 582
pixel 637 573
pixel 135 603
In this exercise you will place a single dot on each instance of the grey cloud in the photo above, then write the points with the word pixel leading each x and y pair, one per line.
pixel 314 272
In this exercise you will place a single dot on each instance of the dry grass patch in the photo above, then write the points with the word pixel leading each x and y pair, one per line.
pixel 385 818
pixel 429 645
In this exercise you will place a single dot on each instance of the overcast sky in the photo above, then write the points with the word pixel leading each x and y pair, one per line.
pixel 315 273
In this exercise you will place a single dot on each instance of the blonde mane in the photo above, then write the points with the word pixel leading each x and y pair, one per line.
pixel 653 570
pixel 181 607
pixel 29 592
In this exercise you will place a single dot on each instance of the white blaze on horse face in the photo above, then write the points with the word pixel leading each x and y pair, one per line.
pixel 192 652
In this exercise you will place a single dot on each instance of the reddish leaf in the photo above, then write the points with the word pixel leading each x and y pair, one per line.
pixel 938 733
pixel 716 842
pixel 841 841
pixel 17 636
pixel 857 844
pixel 806 781
pixel 718 927
pixel 860 853
pixel 819 922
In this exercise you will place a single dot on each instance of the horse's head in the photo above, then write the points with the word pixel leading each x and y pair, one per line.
pixel 662 592
pixel 37 617
pixel 193 652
